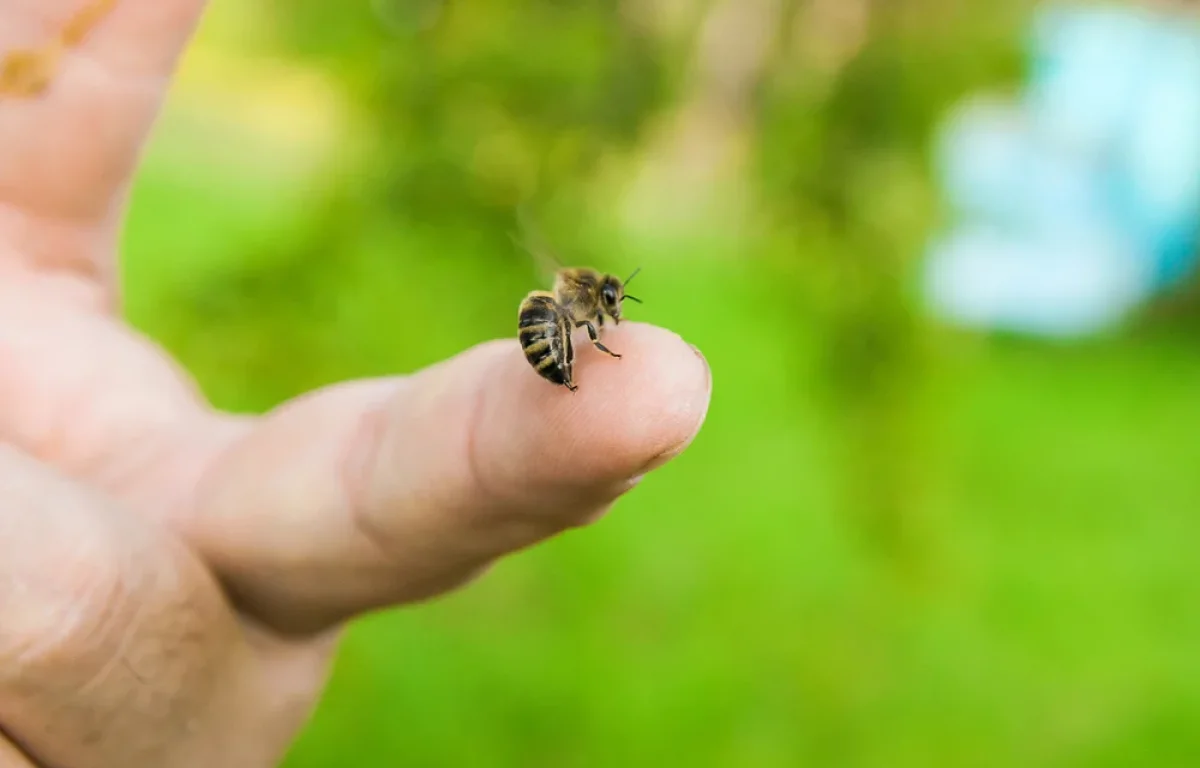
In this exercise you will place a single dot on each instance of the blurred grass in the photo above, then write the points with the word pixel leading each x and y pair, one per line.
pixel 733 610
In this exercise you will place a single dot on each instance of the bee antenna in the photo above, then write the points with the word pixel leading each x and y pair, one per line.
pixel 639 269
pixel 633 298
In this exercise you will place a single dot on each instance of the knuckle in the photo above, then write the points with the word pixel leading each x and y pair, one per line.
pixel 70 612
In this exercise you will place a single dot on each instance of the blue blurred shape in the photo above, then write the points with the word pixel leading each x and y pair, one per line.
pixel 1080 200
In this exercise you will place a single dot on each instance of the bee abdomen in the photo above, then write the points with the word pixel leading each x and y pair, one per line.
pixel 542 348
pixel 538 309
pixel 543 340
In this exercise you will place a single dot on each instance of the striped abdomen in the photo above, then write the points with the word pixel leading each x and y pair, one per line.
pixel 544 331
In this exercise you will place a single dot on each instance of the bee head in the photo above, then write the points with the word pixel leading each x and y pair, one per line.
pixel 612 293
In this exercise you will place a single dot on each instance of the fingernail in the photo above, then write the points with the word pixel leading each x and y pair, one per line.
pixel 703 359
pixel 708 384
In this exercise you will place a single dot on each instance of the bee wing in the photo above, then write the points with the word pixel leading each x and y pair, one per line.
pixel 530 241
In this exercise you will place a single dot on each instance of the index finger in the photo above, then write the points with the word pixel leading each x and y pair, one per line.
pixel 84 80
pixel 375 493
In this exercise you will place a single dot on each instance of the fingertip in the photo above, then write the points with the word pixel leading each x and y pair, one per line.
pixel 627 417
pixel 647 407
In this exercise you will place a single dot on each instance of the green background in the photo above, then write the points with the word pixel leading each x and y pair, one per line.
pixel 893 544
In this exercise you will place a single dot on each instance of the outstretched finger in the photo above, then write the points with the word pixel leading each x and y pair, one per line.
pixel 81 83
pixel 374 493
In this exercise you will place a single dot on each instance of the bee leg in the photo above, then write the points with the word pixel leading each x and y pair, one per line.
pixel 591 329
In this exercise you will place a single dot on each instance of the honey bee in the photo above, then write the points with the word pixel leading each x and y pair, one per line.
pixel 581 297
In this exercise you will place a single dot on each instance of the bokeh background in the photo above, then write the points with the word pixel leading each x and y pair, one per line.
pixel 898 541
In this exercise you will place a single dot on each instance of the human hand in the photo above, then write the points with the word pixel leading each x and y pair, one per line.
pixel 172 579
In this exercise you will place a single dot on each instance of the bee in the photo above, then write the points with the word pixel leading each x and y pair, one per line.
pixel 581 297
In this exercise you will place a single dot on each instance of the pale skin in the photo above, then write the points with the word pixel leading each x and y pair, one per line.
pixel 173 579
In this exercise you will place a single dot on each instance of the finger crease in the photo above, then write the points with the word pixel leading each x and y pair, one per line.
pixel 47 241
pixel 94 627
pixel 120 653
pixel 369 433
pixel 474 465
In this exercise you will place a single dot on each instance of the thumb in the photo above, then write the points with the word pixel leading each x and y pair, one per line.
pixel 373 493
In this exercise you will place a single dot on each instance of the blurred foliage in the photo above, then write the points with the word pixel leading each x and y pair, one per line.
pixel 848 162
pixel 476 109
pixel 753 602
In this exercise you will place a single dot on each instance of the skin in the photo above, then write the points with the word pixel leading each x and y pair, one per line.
pixel 173 579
